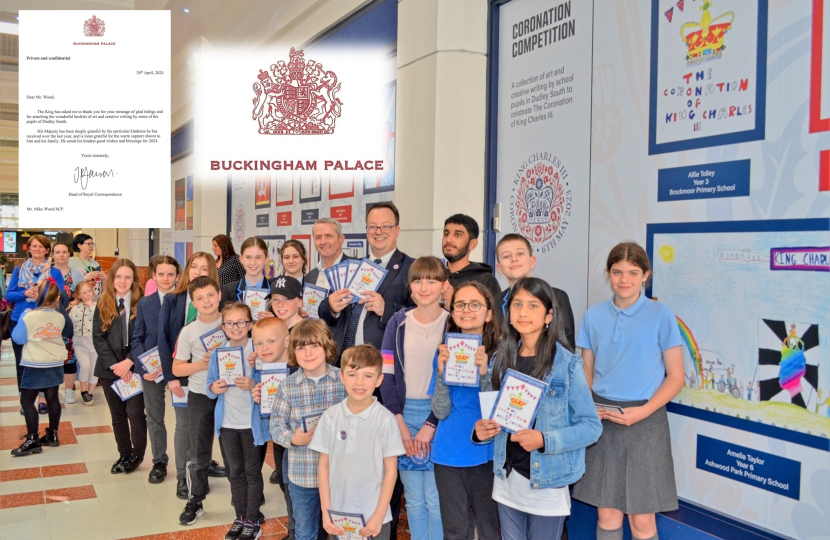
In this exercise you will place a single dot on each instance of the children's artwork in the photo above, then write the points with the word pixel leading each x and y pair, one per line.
pixel 518 401
pixel 350 523
pixel 310 421
pixel 213 339
pixel 270 380
pixel 788 362
pixel 180 401
pixel 257 300
pixel 231 364
pixel 486 402
pixel 602 407
pixel 313 296
pixel 367 277
pixel 151 361
pixel 460 369
pixel 126 390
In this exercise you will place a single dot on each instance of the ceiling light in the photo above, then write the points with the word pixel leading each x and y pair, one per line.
pixel 186 10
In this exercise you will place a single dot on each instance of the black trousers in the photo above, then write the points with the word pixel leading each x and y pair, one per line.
pixel 199 442
pixel 244 471
pixel 466 501
pixel 129 425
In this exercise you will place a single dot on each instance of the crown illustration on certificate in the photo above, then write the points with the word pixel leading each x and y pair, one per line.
pixel 371 276
pixel 350 523
pixel 231 363
pixel 151 361
pixel 459 370
pixel 518 401
pixel 213 339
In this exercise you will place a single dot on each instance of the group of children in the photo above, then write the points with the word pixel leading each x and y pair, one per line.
pixel 601 425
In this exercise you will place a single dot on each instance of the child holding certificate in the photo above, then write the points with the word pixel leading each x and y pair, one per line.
pixel 639 369
pixel 287 299
pixel 359 444
pixel 241 430
pixel 85 355
pixel 192 361
pixel 40 332
pixel 254 255
pixel 410 345
pixel 308 392
pixel 463 470
pixel 534 466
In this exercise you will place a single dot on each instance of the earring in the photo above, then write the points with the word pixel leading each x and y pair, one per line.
pixel 546 326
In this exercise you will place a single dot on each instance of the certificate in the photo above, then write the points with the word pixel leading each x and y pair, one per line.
pixel 270 380
pixel 331 276
pixel 310 421
pixel 486 402
pixel 350 523
pixel 460 369
pixel 231 361
pixel 180 401
pixel 151 362
pixel 351 269
pixel 257 300
pixel 342 271
pixel 368 277
pixel 602 407
pixel 94 119
pixel 313 296
pixel 213 339
pixel 518 401
pixel 126 390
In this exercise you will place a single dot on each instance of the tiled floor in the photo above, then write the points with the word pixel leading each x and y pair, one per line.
pixel 68 492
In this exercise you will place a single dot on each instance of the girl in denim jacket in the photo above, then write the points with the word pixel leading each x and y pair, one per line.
pixel 534 467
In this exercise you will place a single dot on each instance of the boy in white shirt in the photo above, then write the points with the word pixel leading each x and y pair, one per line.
pixel 359 444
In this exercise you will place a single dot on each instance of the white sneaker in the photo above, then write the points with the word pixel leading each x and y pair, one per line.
pixel 69 397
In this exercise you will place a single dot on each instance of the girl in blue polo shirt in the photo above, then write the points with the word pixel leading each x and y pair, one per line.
pixel 631 349
pixel 463 470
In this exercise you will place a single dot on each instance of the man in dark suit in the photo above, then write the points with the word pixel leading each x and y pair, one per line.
pixel 328 239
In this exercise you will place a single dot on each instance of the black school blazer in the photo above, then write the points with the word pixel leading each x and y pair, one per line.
pixel 109 345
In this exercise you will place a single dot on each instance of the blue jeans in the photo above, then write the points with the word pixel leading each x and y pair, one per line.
pixel 422 509
pixel 518 525
pixel 306 509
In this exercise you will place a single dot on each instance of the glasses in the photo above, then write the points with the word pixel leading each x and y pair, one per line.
pixel 237 324
pixel 90 244
pixel 473 306
pixel 372 229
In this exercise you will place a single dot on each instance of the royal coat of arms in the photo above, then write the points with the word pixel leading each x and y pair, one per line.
pixel 298 98
pixel 94 27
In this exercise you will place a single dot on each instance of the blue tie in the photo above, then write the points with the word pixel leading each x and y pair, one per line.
pixel 504 304
pixel 354 318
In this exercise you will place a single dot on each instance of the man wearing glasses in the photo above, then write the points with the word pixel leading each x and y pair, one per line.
pixel 83 262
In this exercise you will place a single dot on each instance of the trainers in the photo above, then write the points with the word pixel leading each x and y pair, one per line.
pixel 192 511
pixel 69 396
pixel 41 408
pixel 251 531
pixel 87 399
pixel 235 530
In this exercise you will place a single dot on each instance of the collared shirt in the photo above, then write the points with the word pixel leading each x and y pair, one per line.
pixel 321 276
pixel 298 396
pixel 358 338
pixel 161 297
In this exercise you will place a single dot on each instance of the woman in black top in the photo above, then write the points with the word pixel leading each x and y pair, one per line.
pixel 227 262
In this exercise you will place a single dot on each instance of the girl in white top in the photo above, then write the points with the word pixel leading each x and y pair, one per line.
pixel 81 316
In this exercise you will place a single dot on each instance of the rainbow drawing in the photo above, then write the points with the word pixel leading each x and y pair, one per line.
pixel 793 363
pixel 691 344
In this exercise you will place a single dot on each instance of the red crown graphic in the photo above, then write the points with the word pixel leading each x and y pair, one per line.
pixel 461 356
pixel 94 27
pixel 272 389
pixel 517 401
pixel 298 98
pixel 348 528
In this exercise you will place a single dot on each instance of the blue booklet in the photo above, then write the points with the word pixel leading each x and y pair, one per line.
pixel 518 401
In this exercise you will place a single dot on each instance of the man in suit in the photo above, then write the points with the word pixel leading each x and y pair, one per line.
pixel 145 337
pixel 328 239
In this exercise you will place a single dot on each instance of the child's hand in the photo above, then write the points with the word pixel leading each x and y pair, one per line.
pixel 300 438
pixel 219 387
pixel 373 526
pixel 423 439
pixel 252 359
pixel 244 383
pixel 632 415
pixel 481 360
pixel 203 363
pixel 256 393
pixel 406 436
pixel 330 527
pixel 175 388
pixel 122 369
pixel 486 429
pixel 443 357
pixel 152 376
pixel 529 439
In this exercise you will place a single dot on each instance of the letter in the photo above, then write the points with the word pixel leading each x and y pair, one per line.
pixel 214 165
pixel 744 85
pixel 687 77
pixel 311 165
pixel 327 164
pixel 379 165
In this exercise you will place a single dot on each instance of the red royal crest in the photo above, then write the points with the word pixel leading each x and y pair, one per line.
pixel 298 98
pixel 540 202
pixel 94 27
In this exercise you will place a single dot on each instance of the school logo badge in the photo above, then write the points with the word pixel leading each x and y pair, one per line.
pixel 541 202
pixel 94 27
pixel 298 98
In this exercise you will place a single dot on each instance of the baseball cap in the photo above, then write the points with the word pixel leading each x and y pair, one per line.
pixel 287 286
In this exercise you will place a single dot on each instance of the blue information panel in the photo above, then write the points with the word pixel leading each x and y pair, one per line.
pixel 760 469
pixel 309 217
pixel 708 181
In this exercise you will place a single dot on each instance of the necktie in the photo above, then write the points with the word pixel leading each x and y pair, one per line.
pixel 191 314
pixel 354 319
pixel 504 304
pixel 122 312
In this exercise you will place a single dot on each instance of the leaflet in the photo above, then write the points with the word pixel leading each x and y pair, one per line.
pixel 367 277
pixel 231 364
pixel 151 361
pixel 518 401
pixel 460 369
pixel 310 421
pixel 94 96
pixel 271 381
pixel 126 390
pixel 213 339
pixel 313 296
pixel 257 300
pixel 350 523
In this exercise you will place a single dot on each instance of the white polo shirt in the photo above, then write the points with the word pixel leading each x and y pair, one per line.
pixel 356 445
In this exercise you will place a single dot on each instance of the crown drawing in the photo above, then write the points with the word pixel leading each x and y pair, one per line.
pixel 229 363
pixel 255 302
pixel 272 389
pixel 366 278
pixel 539 200
pixel 704 39
pixel 312 301
pixel 517 401
pixel 94 27
pixel 297 98
pixel 348 528
pixel 461 356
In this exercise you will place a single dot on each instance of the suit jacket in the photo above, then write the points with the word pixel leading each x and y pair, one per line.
pixel 146 333
pixel 314 273
pixel 395 293
pixel 233 292
pixel 564 303
pixel 109 344
pixel 171 322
